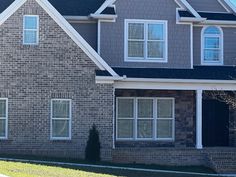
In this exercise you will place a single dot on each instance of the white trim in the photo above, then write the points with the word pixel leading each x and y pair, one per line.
pixel 221 40
pixel 165 85
pixel 6 119
pixel 154 119
pixel 36 30
pixel 70 119
pixel 104 16
pixel 77 18
pixel 230 5
pixel 191 45
pixel 145 58
pixel 104 6
pixel 187 6
pixel 125 79
pixel 199 119
pixel 11 10
pixel 61 21
pixel 99 37
pixel 114 119
pixel 224 6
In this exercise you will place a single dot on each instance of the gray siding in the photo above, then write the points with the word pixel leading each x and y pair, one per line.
pixel 112 34
pixel 207 5
pixel 229 45
pixel 88 31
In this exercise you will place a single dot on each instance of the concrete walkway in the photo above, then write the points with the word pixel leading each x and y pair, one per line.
pixel 3 175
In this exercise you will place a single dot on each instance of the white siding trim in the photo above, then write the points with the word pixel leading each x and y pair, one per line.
pixel 221 62
pixel 146 59
pixel 104 6
pixel 70 120
pixel 155 119
pixel 5 118
pixel 37 30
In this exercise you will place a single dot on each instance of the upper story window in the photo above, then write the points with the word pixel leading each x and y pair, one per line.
pixel 31 29
pixel 212 45
pixel 61 119
pixel 145 41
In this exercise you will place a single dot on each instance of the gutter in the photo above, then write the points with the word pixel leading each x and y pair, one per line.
pixel 124 78
pixel 102 16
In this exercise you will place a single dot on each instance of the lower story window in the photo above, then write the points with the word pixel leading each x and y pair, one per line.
pixel 3 118
pixel 145 118
pixel 61 119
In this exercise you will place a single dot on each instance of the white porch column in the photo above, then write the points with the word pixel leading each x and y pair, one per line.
pixel 199 119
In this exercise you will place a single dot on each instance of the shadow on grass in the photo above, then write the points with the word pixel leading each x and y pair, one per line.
pixel 117 172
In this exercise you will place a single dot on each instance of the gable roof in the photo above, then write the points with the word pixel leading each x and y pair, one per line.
pixel 71 32
pixel 67 7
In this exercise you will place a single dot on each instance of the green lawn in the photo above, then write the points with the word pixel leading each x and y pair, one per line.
pixel 17 169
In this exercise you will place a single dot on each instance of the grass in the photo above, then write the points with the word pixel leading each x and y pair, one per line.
pixel 18 169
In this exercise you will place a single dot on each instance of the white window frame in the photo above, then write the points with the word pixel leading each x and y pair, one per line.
pixel 70 120
pixel 135 129
pixel 37 30
pixel 145 58
pixel 5 118
pixel 221 39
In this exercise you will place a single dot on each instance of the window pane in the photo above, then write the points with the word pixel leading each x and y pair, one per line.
pixel 30 37
pixel 145 108
pixel 211 55
pixel 60 109
pixel 60 128
pixel 155 49
pixel 125 108
pixel 145 128
pixel 156 32
pixel 30 22
pixel 136 31
pixel 164 108
pixel 212 30
pixel 135 49
pixel 3 108
pixel 164 129
pixel 2 128
pixel 212 42
pixel 125 128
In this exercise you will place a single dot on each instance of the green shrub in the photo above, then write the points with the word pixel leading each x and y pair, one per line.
pixel 92 151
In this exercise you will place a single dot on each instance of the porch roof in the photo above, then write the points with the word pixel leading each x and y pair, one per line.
pixel 199 73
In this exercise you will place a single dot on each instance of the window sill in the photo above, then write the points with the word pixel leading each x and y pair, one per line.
pixel 147 61
pixel 61 139
pixel 145 140
pixel 212 63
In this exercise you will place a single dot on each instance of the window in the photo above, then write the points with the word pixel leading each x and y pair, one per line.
pixel 145 118
pixel 3 117
pixel 31 30
pixel 146 41
pixel 212 45
pixel 61 119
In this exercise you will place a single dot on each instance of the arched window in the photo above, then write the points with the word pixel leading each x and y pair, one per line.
pixel 212 45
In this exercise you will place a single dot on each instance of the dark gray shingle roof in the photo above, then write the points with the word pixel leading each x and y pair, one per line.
pixel 67 7
pixel 199 72
pixel 210 15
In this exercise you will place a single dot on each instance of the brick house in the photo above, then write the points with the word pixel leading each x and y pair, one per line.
pixel 139 70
